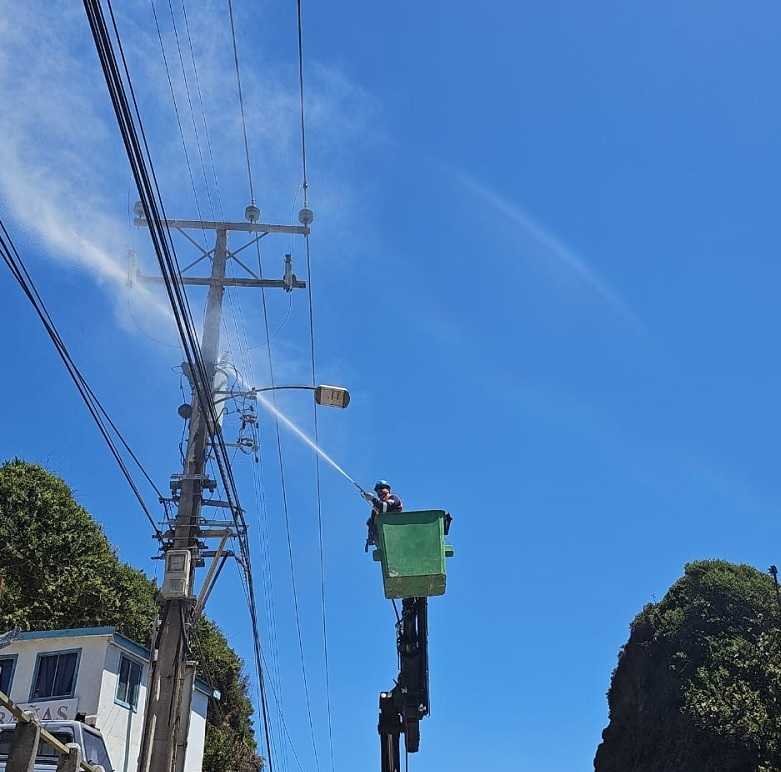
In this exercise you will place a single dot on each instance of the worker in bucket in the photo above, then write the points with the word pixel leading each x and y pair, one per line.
pixel 383 502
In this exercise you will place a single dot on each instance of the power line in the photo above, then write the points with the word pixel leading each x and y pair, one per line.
pixel 320 517
pixel 305 186
pixel 287 528
pixel 274 694
pixel 203 110
pixel 241 101
pixel 143 171
pixel 126 109
pixel 99 414
pixel 174 102
pixel 301 99
pixel 139 158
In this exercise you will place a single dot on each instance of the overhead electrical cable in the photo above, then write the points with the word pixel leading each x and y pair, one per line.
pixel 139 157
pixel 141 329
pixel 276 696
pixel 240 331
pixel 256 645
pixel 241 101
pixel 246 149
pixel 99 414
pixel 320 523
pixel 305 187
pixel 266 574
pixel 277 429
pixel 263 541
pixel 287 524
pixel 301 99
pixel 140 162
pixel 203 112
pixel 175 103
pixel 188 94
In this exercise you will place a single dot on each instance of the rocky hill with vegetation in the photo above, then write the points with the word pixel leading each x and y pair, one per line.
pixel 60 571
pixel 698 684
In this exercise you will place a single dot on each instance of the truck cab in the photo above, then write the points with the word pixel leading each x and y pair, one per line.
pixel 93 748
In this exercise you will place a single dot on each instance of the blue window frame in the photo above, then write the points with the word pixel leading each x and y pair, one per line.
pixel 7 665
pixel 128 683
pixel 55 675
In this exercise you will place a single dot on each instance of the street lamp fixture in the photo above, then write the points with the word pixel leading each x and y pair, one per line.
pixel 332 396
pixel 329 396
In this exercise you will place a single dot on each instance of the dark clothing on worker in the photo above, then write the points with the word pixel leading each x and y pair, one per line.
pixel 392 503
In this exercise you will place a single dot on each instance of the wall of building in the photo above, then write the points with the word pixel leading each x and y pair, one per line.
pixel 95 691
pixel 91 657
pixel 197 736
pixel 121 725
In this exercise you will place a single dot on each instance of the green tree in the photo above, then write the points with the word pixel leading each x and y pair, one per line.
pixel 698 684
pixel 229 733
pixel 60 571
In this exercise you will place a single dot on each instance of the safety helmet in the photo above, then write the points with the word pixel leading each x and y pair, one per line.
pixel 381 484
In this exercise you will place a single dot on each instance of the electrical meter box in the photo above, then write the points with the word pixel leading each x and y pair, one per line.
pixel 176 582
pixel 411 548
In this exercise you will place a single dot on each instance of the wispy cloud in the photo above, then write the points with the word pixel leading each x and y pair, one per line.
pixel 64 177
pixel 553 250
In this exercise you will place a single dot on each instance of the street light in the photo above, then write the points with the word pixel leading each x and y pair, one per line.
pixel 332 396
pixel 328 396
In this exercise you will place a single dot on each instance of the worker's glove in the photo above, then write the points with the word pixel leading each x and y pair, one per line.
pixel 367 496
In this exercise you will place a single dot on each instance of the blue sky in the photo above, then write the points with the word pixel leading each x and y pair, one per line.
pixel 544 261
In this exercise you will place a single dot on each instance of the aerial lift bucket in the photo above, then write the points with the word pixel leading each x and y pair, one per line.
pixel 412 550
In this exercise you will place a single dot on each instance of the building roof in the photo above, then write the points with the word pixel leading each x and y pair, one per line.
pixel 119 640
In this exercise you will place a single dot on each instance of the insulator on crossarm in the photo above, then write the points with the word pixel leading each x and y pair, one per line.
pixel 306 216
pixel 289 279
pixel 252 213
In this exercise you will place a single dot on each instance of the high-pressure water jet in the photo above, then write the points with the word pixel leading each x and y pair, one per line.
pixel 308 440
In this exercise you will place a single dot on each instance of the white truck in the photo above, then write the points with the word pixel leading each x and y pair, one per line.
pixel 93 748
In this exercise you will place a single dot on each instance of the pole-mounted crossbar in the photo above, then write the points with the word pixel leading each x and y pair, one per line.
pixel 247 227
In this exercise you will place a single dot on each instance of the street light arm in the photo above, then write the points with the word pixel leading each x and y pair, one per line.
pixel 330 396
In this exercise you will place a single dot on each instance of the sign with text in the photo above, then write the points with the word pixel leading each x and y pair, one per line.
pixel 48 710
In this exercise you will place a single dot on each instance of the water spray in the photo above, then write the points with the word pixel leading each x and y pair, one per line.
pixel 308 440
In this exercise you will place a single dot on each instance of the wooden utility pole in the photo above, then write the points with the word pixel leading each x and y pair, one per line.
pixel 172 672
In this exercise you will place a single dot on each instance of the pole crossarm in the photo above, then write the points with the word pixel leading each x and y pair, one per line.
pixel 206 534
pixel 288 282
pixel 247 227
pixel 226 282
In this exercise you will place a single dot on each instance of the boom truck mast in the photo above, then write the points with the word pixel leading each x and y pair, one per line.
pixel 411 548
pixel 402 708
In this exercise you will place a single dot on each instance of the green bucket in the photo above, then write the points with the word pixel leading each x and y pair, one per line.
pixel 412 550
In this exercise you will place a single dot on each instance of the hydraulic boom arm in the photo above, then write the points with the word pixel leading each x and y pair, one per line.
pixel 402 708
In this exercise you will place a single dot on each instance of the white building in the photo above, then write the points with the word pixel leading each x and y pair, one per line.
pixel 97 672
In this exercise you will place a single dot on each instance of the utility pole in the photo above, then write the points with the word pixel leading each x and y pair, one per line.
pixel 172 672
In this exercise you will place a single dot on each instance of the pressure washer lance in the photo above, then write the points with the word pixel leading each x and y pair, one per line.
pixel 365 494
pixel 370 537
